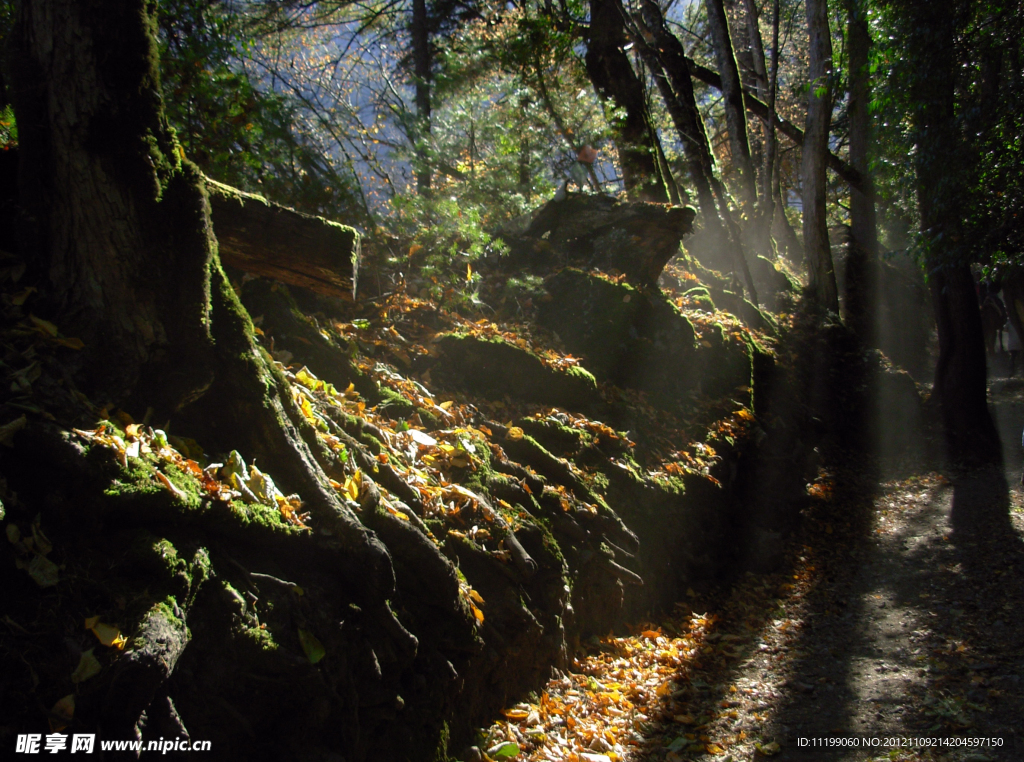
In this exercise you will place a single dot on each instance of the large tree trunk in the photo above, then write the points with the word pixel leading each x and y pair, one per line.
pixel 119 224
pixel 822 278
pixel 612 74
pixel 960 382
pixel 960 377
pixel 122 237
pixel 863 246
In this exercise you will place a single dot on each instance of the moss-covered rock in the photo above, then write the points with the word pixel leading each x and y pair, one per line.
pixel 639 339
pixel 493 367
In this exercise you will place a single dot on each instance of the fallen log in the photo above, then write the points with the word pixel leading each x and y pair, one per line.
pixel 263 238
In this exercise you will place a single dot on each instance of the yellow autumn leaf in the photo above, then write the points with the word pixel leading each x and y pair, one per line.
pixel 352 485
pixel 107 634
pixel 515 433
pixel 88 666
pixel 45 325
pixel 63 713
pixel 476 597
pixel 477 612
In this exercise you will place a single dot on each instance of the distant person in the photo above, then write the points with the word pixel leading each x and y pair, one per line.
pixel 1013 346
pixel 993 318
pixel 579 172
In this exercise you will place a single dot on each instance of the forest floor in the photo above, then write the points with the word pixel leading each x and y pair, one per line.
pixel 895 632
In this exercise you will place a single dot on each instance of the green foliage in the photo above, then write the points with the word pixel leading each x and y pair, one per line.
pixel 445 237
pixel 239 131
pixel 8 128
pixel 950 115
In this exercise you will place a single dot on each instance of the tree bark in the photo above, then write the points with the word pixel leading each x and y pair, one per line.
pixel 960 383
pixel 611 72
pixel 756 47
pixel 863 245
pixel 770 168
pixel 822 278
pixel 122 226
pixel 668 61
pixel 732 94
pixel 119 223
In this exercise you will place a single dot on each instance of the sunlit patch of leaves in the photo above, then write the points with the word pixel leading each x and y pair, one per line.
pixel 605 707
pixel 223 482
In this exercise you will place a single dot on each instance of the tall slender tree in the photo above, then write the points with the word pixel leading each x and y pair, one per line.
pixel 945 162
pixel 863 244
pixel 822 278
pixel 667 60
pixel 735 111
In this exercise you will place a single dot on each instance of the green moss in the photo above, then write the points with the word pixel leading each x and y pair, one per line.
pixel 493 367
pixel 582 375
pixel 394 405
pixel 700 298
pixel 556 436
pixel 257 514
pixel 169 609
pixel 441 748
pixel 551 545
pixel 253 642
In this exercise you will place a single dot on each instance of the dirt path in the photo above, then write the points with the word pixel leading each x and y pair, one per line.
pixel 899 621
pixel 905 623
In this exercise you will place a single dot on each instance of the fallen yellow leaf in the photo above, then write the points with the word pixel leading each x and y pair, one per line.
pixel 62 713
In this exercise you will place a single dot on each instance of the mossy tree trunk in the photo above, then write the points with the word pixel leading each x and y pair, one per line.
pixel 119 228
pixel 121 237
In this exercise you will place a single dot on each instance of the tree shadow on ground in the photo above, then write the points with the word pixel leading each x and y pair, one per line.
pixel 913 639
pixel 910 632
